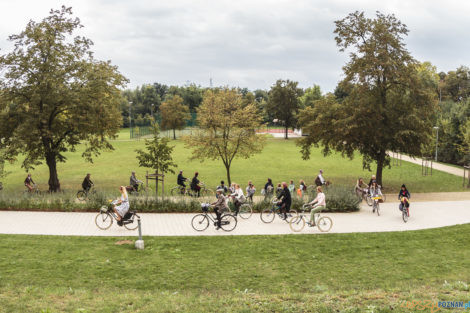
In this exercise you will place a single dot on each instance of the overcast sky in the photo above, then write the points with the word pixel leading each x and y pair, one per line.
pixel 243 43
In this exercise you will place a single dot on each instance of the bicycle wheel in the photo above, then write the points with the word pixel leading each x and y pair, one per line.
pixel 404 214
pixel 324 223
pixel 200 222
pixel 103 220
pixel 81 195
pixel 228 222
pixel 369 200
pixel 245 211
pixel 175 191
pixel 267 215
pixel 292 213
pixel 133 225
pixel 207 192
pixel 297 223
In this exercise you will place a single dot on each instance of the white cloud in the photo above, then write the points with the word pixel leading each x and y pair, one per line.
pixel 243 43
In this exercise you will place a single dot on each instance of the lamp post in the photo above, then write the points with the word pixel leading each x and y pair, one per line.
pixel 151 110
pixel 437 138
pixel 130 119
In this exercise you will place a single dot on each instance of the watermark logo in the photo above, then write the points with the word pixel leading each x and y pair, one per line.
pixel 434 306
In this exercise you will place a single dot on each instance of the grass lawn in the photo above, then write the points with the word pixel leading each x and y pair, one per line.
pixel 370 272
pixel 280 160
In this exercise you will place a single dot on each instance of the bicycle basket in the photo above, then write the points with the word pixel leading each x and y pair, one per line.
pixel 205 207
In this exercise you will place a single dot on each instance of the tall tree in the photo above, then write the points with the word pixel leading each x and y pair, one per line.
pixel 283 103
pixel 310 95
pixel 388 103
pixel 55 95
pixel 174 114
pixel 227 129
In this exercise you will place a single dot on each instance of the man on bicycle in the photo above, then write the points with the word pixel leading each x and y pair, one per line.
pixel 134 182
pixel 285 200
pixel 219 206
pixel 180 180
pixel 29 183
pixel 195 184
pixel 404 193
pixel 87 183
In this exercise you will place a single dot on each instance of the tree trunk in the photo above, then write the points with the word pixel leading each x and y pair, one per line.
pixel 54 184
pixel 380 165
pixel 286 136
pixel 227 168
pixel 174 134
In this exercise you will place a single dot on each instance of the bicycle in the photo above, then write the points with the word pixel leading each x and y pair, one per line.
pixel 375 205
pixel 297 223
pixel 267 215
pixel 179 190
pixel 405 211
pixel 83 195
pixel 200 222
pixel 105 218
pixel 245 210
pixel 34 191
pixel 203 191
pixel 141 190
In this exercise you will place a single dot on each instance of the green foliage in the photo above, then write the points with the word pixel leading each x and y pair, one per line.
pixel 388 101
pixel 174 114
pixel 228 127
pixel 310 95
pixel 283 103
pixel 55 95
pixel 158 154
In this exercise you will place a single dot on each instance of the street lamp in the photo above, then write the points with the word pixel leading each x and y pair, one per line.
pixel 437 138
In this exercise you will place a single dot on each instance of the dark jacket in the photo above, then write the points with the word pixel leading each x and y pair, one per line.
pixel 87 183
pixel 403 193
pixel 181 179
pixel 194 182
pixel 267 185
pixel 28 181
pixel 285 197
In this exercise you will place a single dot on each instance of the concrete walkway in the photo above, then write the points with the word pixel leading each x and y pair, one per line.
pixel 458 171
pixel 423 215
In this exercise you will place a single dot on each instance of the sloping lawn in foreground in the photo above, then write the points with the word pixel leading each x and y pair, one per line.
pixel 373 272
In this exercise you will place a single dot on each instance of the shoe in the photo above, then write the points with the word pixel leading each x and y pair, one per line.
pixel 218 227
pixel 373 210
pixel 119 223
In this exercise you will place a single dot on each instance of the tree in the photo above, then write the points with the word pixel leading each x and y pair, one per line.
pixel 388 103
pixel 227 129
pixel 174 114
pixel 55 95
pixel 158 155
pixel 283 103
pixel 310 95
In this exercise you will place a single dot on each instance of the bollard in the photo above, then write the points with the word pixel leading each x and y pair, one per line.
pixel 139 244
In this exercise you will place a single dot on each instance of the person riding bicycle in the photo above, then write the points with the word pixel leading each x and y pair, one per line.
pixel 268 188
pixel 317 204
pixel 361 187
pixel 195 184
pixel 375 191
pixel 134 182
pixel 285 200
pixel 223 187
pixel 219 206
pixel 121 207
pixel 238 198
pixel 372 179
pixel 29 183
pixel 87 183
pixel 319 181
pixel 404 193
pixel 250 191
pixel 181 179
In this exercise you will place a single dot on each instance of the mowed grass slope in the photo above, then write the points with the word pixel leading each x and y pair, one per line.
pixel 280 160
pixel 369 272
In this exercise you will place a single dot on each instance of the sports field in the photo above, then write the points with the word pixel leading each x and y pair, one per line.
pixel 280 160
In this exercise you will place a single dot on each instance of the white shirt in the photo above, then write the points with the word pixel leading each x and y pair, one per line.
pixel 238 193
pixel 320 199
pixel 321 178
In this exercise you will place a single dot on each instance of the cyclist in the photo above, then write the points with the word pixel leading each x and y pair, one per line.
pixel 318 204
pixel 87 183
pixel 372 179
pixel 195 184
pixel 361 187
pixel 268 187
pixel 404 193
pixel 375 191
pixel 180 181
pixel 223 187
pixel 319 181
pixel 285 200
pixel 238 198
pixel 29 183
pixel 250 191
pixel 232 188
pixel 219 205
pixel 122 205
pixel 134 182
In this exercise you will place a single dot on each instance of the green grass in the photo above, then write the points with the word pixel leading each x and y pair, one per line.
pixel 280 160
pixel 369 272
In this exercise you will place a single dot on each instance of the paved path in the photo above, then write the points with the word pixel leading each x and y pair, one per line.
pixel 423 215
pixel 436 166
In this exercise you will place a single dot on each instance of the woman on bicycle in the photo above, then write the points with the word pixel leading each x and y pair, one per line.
pixel 29 183
pixel 122 205
pixel 375 191
pixel 285 200
pixel 361 188
pixel 250 191
pixel 195 184
pixel 238 197
pixel 219 206
pixel 404 193
pixel 319 203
